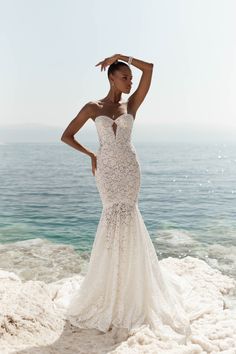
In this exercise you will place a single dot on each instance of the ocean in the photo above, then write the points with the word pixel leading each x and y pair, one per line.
pixel 50 206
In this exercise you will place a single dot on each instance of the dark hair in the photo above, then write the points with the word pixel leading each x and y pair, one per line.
pixel 115 66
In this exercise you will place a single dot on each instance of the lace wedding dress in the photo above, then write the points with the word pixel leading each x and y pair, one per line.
pixel 125 286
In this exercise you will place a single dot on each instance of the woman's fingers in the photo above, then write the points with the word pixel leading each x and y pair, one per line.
pixel 94 165
pixel 103 64
pixel 107 61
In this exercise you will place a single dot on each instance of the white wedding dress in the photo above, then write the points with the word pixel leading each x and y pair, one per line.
pixel 125 286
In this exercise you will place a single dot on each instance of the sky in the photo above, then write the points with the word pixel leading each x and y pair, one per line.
pixel 49 49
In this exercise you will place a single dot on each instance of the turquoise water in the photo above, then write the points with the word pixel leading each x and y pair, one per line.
pixel 187 198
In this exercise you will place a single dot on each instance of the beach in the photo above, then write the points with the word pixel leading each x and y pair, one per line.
pixel 33 315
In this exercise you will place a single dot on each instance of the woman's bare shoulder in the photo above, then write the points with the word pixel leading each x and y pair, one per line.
pixel 92 106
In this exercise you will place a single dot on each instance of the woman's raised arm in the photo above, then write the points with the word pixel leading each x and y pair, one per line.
pixel 138 96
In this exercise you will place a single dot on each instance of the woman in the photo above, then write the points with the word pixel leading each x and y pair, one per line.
pixel 125 286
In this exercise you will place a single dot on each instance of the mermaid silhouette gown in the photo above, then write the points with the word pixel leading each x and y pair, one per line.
pixel 125 285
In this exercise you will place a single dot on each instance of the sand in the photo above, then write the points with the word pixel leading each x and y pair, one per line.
pixel 32 317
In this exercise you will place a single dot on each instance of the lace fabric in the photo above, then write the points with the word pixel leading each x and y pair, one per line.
pixel 125 285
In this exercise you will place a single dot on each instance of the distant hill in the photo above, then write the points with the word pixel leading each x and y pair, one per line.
pixel 38 133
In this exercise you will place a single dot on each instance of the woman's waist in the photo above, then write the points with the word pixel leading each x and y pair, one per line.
pixel 117 154
pixel 117 148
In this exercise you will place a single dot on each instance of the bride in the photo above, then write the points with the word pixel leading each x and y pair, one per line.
pixel 125 286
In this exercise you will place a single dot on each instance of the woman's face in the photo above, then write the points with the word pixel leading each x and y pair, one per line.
pixel 122 79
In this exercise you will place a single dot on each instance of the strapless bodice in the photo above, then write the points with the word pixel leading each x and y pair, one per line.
pixel 108 135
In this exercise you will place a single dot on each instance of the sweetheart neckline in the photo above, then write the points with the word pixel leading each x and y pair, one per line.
pixel 103 115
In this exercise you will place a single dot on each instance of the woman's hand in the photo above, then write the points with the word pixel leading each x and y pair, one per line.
pixel 108 61
pixel 94 163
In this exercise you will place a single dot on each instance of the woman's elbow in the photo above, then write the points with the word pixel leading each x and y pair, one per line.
pixel 66 138
pixel 63 137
